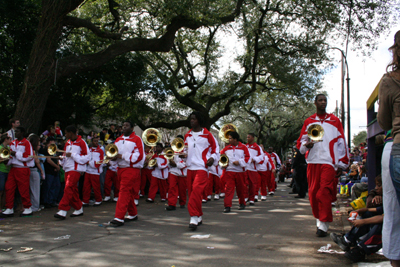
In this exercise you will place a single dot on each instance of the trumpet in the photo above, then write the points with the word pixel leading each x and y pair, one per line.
pixel 225 130
pixel 111 152
pixel 52 150
pixel 315 132
pixel 223 161
pixel 5 154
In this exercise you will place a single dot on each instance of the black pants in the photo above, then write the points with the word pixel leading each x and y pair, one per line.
pixel 300 177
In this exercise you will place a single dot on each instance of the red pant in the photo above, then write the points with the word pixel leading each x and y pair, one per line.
pixel 213 183
pixel 234 179
pixel 145 176
pixel 222 182
pixel 91 181
pixel 321 190
pixel 111 178
pixel 18 177
pixel 270 181
pixel 254 184
pixel 127 177
pixel 71 194
pixel 264 176
pixel 158 184
pixel 177 185
pixel 196 181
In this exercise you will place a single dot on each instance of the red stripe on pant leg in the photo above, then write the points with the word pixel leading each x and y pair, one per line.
pixel 182 190
pixel 86 188
pixel 10 186
pixel 230 184
pixel 127 177
pixel 71 195
pixel 173 190
pixel 326 192
pixel 198 185
pixel 153 188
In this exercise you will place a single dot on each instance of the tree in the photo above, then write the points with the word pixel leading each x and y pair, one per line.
pixel 359 138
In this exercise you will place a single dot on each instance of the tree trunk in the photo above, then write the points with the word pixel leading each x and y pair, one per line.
pixel 41 68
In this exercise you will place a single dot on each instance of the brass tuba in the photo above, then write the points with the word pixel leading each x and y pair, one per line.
pixel 223 160
pixel 151 137
pixel 5 153
pixel 225 130
pixel 315 132
pixel 111 152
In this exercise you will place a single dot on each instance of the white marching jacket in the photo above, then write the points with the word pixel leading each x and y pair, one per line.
pixel 180 169
pixel 237 153
pixel 199 148
pixel 161 169
pixel 216 170
pixel 267 165
pixel 23 151
pixel 132 150
pixel 276 160
pixel 79 155
pixel 96 154
pixel 257 155
pixel 332 149
pixel 112 165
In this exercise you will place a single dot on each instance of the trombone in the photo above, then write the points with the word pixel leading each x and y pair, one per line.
pixel 225 130
pixel 223 161
pixel 52 150
pixel 315 132
pixel 111 152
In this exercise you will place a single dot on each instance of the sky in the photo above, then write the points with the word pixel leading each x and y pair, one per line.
pixel 364 73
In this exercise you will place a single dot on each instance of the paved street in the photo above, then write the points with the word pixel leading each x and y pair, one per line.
pixel 278 232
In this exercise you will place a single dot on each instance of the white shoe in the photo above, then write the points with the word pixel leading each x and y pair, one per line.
pixel 216 197
pixel 271 193
pixel 263 197
pixel 245 200
pixel 194 220
pixel 78 212
pixel 200 220
pixel 8 212
pixel 115 199
pixel 256 197
pixel 204 200
pixel 97 203
pixel 27 211
pixel 222 195
pixel 136 202
pixel 251 202
pixel 62 213
pixel 209 197
pixel 107 198
pixel 324 226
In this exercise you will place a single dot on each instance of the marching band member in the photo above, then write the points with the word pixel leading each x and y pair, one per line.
pixel 277 163
pixel 264 170
pixel 130 160
pixel 214 181
pixel 198 142
pixel 74 162
pixel 256 158
pixel 177 182
pixel 21 160
pixel 159 176
pixel 92 175
pixel 326 159
pixel 239 158
pixel 145 173
pixel 111 179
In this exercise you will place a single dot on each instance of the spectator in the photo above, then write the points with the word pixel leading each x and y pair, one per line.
pixel 111 133
pixel 35 177
pixel 356 155
pixel 5 141
pixel 51 131
pixel 58 129
pixel 14 124
pixel 103 134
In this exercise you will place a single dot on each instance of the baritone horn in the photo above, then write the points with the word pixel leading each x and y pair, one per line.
pixel 111 152
pixel 168 153
pixel 315 132
pixel 52 150
pixel 178 145
pixel 225 130
pixel 223 161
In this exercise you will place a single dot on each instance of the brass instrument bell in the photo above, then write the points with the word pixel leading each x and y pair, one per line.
pixel 178 145
pixel 5 153
pixel 225 130
pixel 152 162
pixel 315 132
pixel 151 137
pixel 168 153
pixel 223 160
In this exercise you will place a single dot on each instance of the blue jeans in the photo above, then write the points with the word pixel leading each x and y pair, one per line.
pixel 52 188
pixel 3 179
pixel 394 167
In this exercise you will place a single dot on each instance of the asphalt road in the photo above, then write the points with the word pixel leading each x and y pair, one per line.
pixel 277 232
